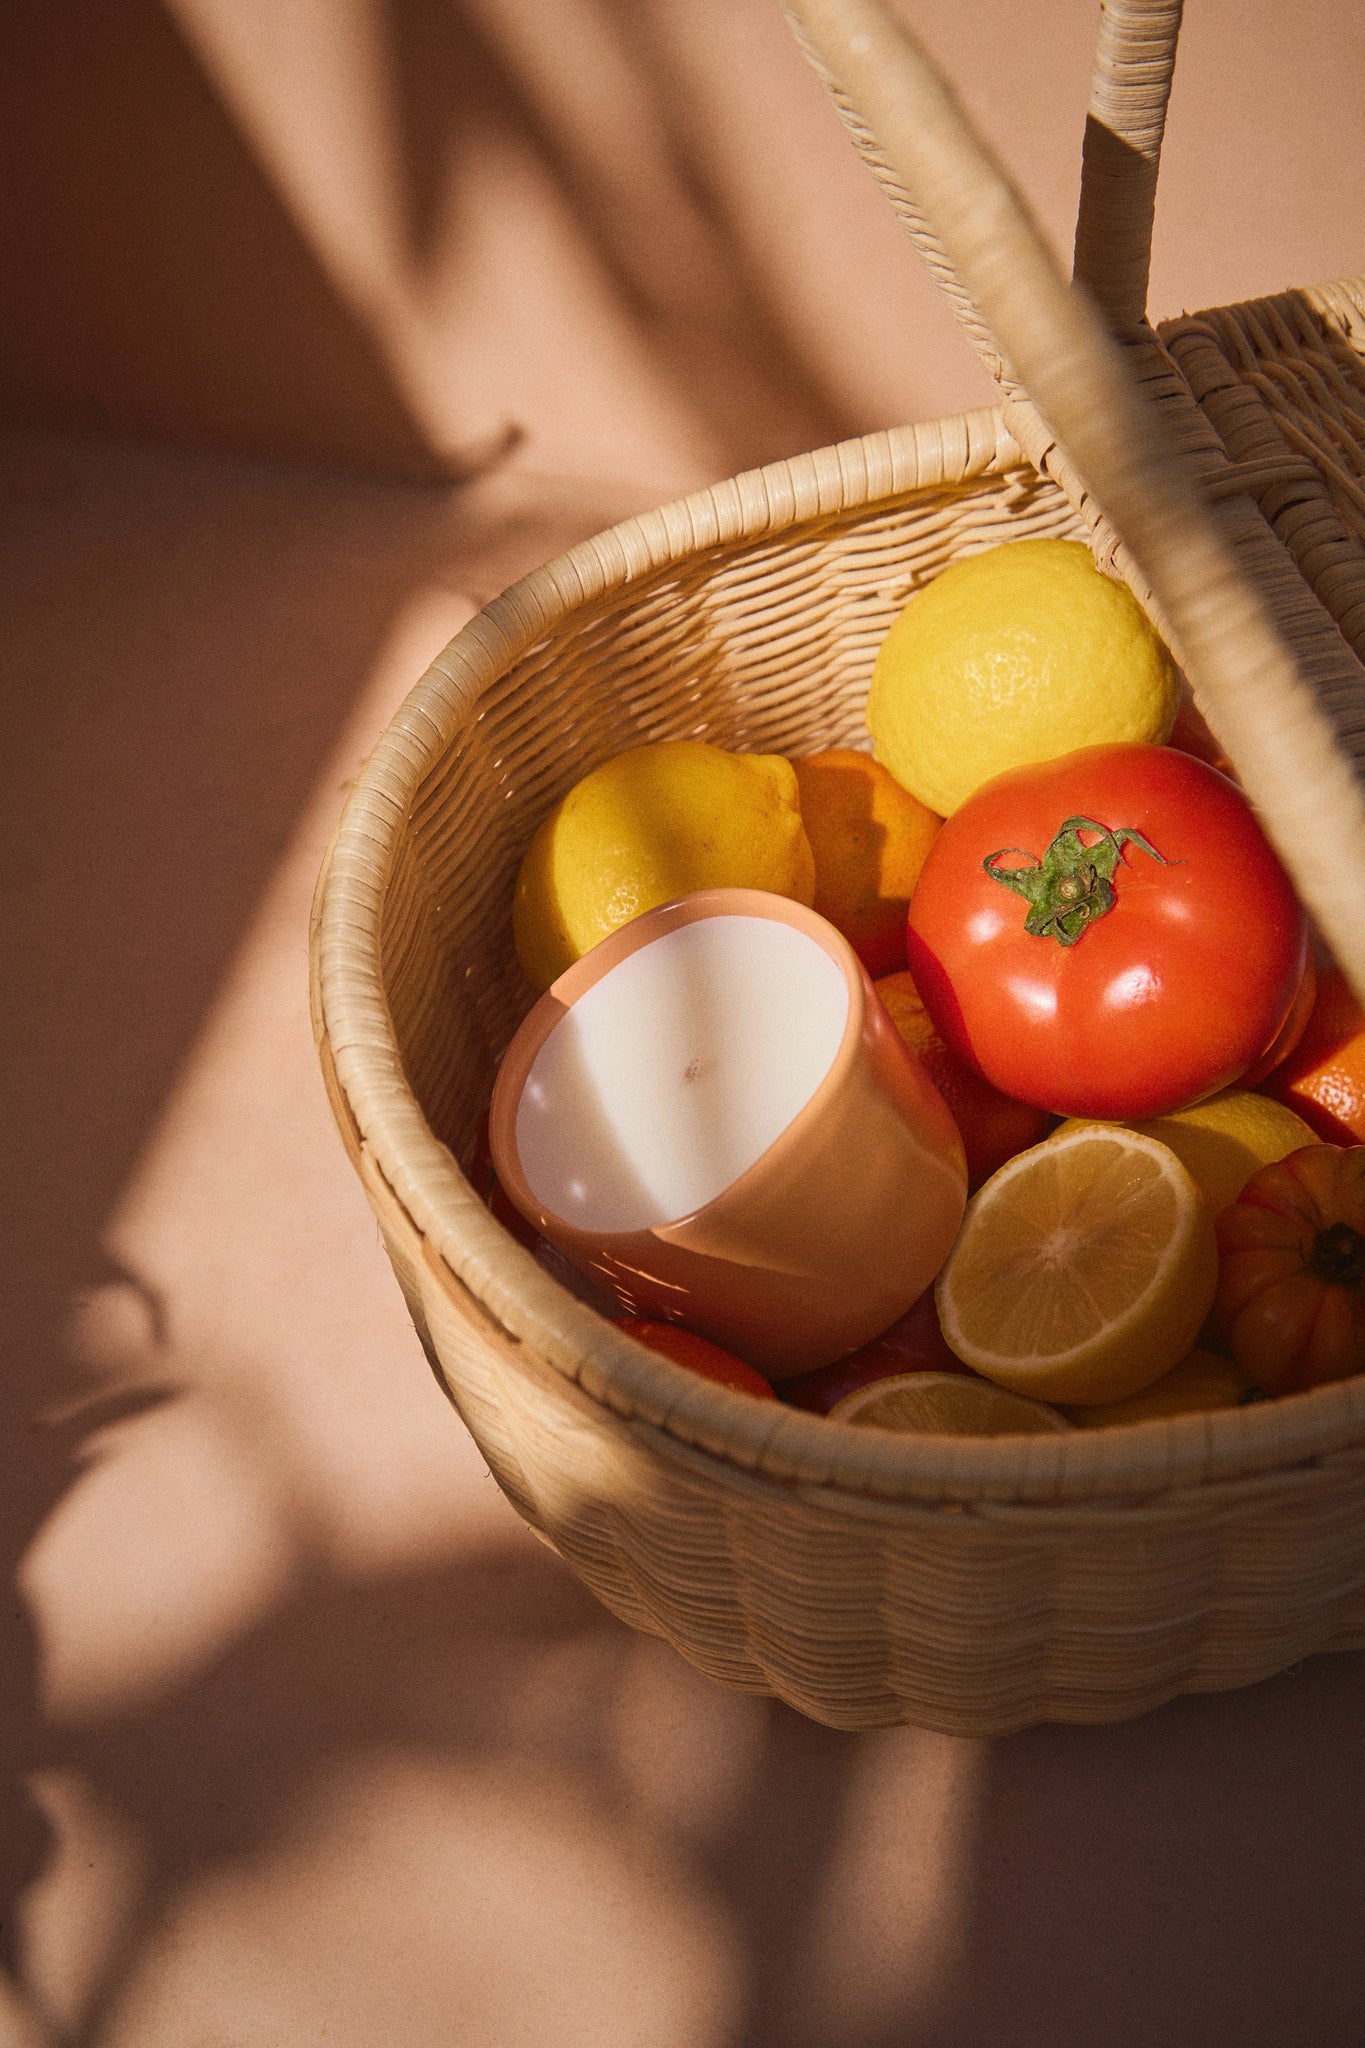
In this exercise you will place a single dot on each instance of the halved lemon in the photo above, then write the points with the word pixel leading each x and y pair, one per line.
pixel 1084 1268
pixel 944 1404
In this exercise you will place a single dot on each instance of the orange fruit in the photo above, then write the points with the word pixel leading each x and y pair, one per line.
pixel 1324 1077
pixel 993 1126
pixel 698 1354
pixel 870 838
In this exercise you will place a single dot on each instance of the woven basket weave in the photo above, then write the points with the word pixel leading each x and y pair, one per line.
pixel 972 1586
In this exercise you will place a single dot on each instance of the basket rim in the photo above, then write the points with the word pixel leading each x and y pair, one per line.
pixel 465 1248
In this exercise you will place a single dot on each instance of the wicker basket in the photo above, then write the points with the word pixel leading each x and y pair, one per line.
pixel 972 1586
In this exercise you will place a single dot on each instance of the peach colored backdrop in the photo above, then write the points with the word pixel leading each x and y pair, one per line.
pixel 324 319
pixel 619 238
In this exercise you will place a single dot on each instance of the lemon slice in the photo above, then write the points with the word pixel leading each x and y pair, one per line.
pixel 1084 1268
pixel 944 1404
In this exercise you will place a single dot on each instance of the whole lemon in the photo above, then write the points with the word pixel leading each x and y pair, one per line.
pixel 657 822
pixel 1224 1139
pixel 1011 656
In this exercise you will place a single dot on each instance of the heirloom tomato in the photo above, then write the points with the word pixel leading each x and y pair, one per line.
pixel 1109 934
pixel 1291 1278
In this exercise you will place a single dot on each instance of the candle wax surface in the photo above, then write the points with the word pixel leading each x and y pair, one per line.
pixel 677 1070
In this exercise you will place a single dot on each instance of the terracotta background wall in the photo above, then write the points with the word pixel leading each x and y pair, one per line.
pixel 622 237
pixel 322 320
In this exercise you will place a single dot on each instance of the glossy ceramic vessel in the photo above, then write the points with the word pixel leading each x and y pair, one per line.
pixel 832 1231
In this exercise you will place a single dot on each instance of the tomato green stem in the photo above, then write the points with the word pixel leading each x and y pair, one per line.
pixel 1073 883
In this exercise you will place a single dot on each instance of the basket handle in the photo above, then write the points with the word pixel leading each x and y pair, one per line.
pixel 1130 86
pixel 1075 375
pixel 802 21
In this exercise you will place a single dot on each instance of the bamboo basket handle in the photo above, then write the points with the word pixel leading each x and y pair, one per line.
pixel 1120 158
pixel 1074 373
pixel 1130 86
pixel 895 189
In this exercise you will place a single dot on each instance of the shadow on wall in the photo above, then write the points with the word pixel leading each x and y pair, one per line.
pixel 156 285
pixel 637 169
pixel 557 199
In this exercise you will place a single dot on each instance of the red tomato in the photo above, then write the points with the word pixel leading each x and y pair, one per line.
pixel 1108 934
pixel 1290 1033
pixel 914 1343
pixel 698 1354
pixel 1291 1276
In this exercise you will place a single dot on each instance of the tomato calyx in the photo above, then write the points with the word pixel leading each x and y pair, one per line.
pixel 1338 1256
pixel 1073 883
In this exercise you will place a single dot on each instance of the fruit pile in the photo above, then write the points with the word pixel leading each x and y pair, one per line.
pixel 1077 926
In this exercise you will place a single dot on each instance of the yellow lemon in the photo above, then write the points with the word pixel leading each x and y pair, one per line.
pixel 1223 1141
pixel 1011 656
pixel 656 822
pixel 1199 1383
pixel 1084 1268
pixel 944 1404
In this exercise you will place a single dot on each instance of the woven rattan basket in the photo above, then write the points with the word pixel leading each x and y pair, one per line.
pixel 973 1586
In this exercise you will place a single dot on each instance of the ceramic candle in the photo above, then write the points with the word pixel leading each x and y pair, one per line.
pixel 675 1072
pixel 711 1112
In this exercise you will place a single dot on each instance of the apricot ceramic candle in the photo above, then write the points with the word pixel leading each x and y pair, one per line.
pixel 712 1113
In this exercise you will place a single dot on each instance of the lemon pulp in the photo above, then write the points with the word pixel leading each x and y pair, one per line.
pixel 1084 1269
